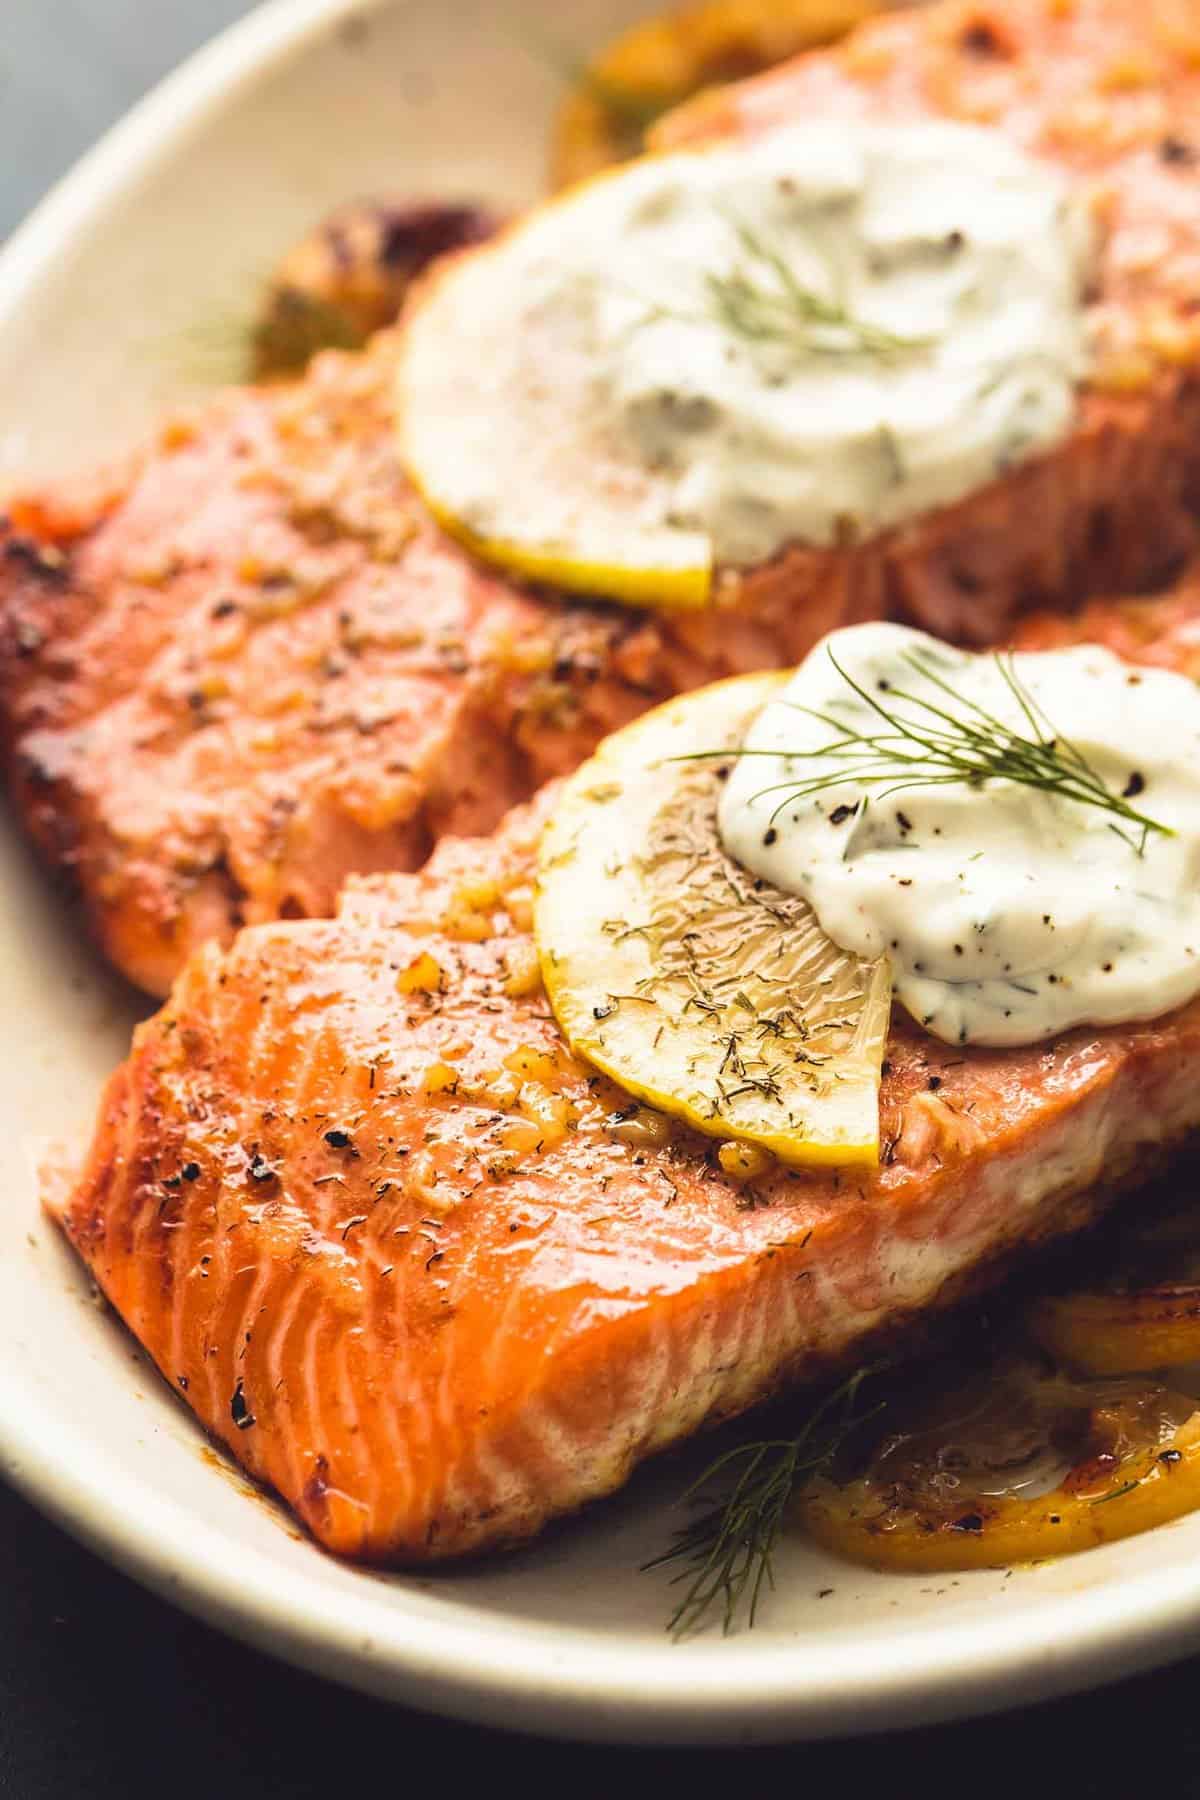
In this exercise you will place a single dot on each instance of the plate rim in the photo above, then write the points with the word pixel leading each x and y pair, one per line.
pixel 472 1662
pixel 468 1661
pixel 170 109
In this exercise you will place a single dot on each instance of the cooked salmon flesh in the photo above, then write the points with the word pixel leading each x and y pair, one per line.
pixel 436 1281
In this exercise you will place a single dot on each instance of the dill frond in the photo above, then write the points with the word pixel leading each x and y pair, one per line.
pixel 726 1554
pixel 762 300
pixel 935 747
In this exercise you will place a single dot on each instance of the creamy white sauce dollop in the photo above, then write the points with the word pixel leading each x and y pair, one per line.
pixel 808 337
pixel 1009 913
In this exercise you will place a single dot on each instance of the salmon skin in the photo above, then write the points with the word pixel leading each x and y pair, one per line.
pixel 250 666
pixel 436 1280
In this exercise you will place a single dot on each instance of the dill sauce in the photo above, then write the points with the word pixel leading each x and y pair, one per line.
pixel 1008 911
pixel 821 333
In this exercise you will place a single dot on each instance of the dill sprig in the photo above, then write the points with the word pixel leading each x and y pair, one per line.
pixel 762 300
pixel 726 1554
pixel 938 748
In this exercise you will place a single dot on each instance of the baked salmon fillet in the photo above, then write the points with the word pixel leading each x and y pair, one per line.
pixel 250 666
pixel 436 1281
pixel 1109 91
pixel 254 666
pixel 259 667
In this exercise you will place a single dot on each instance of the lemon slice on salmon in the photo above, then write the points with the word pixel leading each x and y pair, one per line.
pixel 500 427
pixel 699 988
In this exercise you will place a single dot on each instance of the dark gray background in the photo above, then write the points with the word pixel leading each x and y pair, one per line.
pixel 69 68
pixel 105 1692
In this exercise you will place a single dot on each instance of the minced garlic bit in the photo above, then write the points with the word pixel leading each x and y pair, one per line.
pixel 744 1162
pixel 523 975
pixel 440 1078
pixel 423 975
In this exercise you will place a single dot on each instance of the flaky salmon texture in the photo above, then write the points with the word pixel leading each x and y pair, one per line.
pixel 436 1281
pixel 251 666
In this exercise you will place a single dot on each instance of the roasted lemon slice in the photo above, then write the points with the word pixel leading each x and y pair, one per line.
pixel 667 59
pixel 500 432
pixel 700 989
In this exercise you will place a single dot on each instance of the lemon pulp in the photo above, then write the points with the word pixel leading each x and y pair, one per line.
pixel 702 990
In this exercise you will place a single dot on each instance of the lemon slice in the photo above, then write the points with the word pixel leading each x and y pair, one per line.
pixel 498 424
pixel 699 988
pixel 679 575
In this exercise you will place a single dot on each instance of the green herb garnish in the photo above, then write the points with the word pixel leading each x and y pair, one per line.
pixel 937 748
pixel 726 1554
pixel 1118 1493
pixel 761 300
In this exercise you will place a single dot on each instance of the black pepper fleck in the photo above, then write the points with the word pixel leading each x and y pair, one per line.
pixel 1177 150
pixel 981 39
pixel 239 1412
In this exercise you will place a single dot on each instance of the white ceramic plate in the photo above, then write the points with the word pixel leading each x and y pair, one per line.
pixel 114 298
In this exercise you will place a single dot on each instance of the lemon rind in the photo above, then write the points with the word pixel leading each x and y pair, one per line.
pixel 687 588
pixel 838 1140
